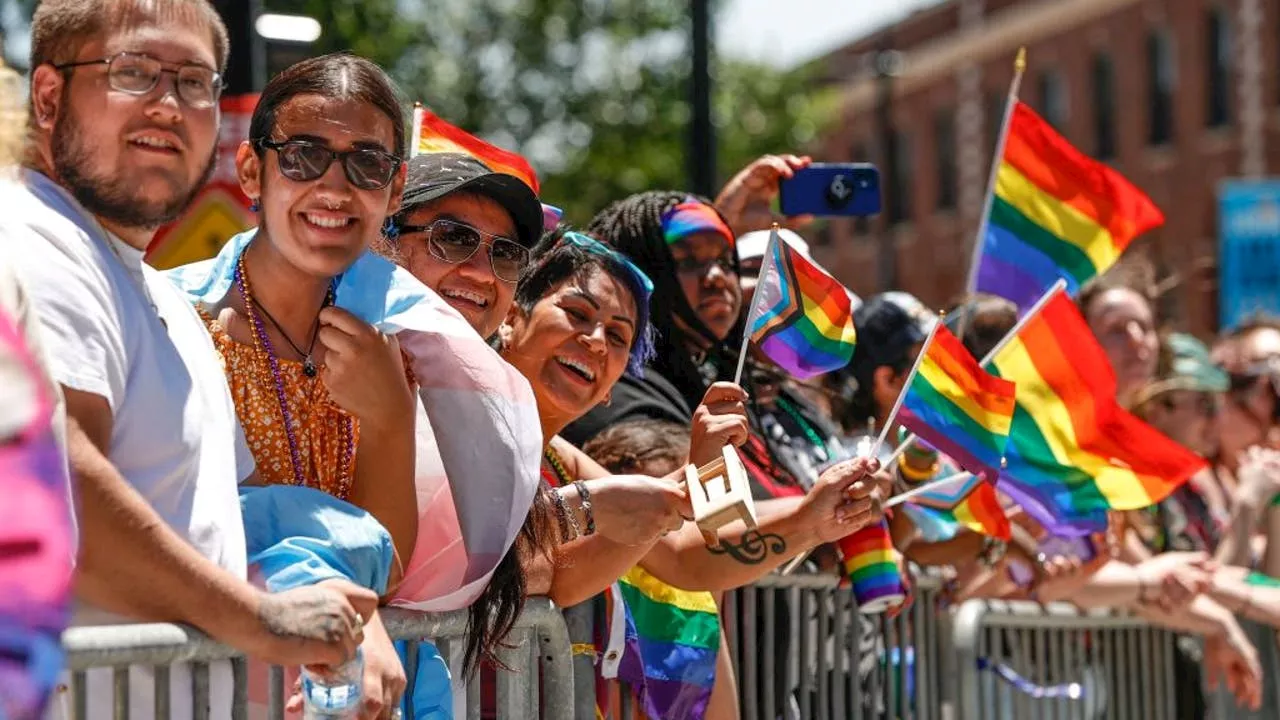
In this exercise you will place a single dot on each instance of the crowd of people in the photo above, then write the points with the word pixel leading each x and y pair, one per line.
pixel 406 387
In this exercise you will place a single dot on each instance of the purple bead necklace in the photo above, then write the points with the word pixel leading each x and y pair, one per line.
pixel 266 348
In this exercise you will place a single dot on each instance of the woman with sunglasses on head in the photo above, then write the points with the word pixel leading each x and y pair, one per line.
pixel 580 320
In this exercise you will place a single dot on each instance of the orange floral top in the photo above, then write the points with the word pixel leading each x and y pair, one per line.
pixel 320 426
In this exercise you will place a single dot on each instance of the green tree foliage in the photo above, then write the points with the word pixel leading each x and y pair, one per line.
pixel 593 92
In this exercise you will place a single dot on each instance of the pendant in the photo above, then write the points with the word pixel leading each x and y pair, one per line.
pixel 309 367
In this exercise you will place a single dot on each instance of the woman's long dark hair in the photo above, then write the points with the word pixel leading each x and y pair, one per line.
pixel 494 614
pixel 634 227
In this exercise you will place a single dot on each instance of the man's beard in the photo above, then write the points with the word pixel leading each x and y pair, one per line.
pixel 109 198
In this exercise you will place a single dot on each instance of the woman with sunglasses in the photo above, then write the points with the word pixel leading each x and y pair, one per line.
pixel 466 232
pixel 324 399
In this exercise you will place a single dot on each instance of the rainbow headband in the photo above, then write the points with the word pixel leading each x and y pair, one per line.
pixel 693 216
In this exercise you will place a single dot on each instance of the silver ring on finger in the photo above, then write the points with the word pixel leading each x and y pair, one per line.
pixel 397 714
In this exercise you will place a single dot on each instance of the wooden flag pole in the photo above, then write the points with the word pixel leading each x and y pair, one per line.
pixel 755 310
pixel 418 112
pixel 906 387
pixel 1019 67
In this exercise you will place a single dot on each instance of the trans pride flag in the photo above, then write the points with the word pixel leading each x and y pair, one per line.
pixel 800 316
pixel 1055 213
pixel 477 436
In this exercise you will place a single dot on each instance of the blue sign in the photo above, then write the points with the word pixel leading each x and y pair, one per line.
pixel 1248 250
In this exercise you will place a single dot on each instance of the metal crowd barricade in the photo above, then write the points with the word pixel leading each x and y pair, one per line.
pixel 1103 665
pixel 800 649
pixel 540 681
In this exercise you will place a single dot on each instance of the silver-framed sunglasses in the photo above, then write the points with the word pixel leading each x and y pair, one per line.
pixel 138 74
pixel 455 242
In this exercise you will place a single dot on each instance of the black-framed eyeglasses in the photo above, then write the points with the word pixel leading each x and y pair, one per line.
pixel 138 74
pixel 306 160
pixel 455 242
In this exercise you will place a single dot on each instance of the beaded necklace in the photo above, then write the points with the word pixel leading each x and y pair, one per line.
pixel 263 345
pixel 553 459
pixel 805 427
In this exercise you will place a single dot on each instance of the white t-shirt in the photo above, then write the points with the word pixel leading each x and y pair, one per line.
pixel 114 327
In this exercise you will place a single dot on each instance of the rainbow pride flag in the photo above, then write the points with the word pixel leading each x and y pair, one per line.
pixel 1073 452
pixel 1055 214
pixel 673 637
pixel 434 135
pixel 958 407
pixel 971 503
pixel 800 316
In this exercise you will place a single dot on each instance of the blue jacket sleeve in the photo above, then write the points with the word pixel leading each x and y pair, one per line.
pixel 297 536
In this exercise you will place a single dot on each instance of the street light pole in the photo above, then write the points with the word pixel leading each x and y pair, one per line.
pixel 887 61
pixel 702 145
pixel 247 66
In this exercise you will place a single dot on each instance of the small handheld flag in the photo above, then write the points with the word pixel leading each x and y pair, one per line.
pixel 434 135
pixel 1052 213
pixel 800 316
pixel 1073 452
pixel 958 407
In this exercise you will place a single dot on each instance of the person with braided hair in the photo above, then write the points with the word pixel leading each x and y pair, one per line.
pixel 688 248
pixel 686 245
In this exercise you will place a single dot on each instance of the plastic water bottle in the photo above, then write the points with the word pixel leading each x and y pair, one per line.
pixel 336 695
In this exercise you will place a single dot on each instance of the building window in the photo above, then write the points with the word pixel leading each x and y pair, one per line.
pixel 1161 79
pixel 995 121
pixel 1104 108
pixel 944 143
pixel 1217 75
pixel 900 200
pixel 1053 98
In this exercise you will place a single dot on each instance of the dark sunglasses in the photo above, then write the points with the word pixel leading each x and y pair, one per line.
pixel 455 243
pixel 305 160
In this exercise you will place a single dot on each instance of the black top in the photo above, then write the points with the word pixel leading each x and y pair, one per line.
pixel 652 398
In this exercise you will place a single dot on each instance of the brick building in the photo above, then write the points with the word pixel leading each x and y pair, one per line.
pixel 1175 94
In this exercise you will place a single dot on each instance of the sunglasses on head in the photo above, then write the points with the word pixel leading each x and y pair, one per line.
pixel 592 245
pixel 307 160
pixel 455 242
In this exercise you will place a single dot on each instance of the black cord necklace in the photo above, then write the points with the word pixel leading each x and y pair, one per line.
pixel 308 363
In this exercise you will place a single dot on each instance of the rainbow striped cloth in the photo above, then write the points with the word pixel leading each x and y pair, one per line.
pixel 1055 214
pixel 958 407
pixel 800 316
pixel 433 135
pixel 672 638
pixel 1073 452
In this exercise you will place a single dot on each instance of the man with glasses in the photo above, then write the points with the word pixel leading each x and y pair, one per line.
pixel 467 232
pixel 123 126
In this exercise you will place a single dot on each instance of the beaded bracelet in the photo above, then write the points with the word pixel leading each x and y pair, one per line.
pixel 587 512
pixel 562 514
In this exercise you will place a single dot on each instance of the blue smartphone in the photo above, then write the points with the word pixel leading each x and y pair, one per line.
pixel 832 189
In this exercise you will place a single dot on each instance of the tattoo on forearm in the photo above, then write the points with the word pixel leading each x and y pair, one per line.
pixel 752 548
